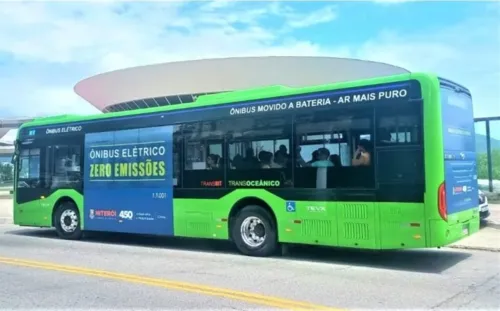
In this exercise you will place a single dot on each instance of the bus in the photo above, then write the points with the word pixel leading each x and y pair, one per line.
pixel 378 164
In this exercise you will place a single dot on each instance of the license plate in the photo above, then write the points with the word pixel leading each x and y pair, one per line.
pixel 465 231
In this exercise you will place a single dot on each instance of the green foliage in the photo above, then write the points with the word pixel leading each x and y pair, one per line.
pixel 482 165
pixel 6 173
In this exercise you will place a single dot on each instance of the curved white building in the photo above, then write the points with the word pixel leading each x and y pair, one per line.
pixel 179 82
pixel 3 131
pixel 6 125
pixel 6 146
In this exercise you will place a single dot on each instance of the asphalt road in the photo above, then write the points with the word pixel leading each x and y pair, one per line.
pixel 211 275
pixel 43 289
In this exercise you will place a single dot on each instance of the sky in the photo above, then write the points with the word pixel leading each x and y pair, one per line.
pixel 47 47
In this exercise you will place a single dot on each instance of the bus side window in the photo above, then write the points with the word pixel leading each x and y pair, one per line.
pixel 177 156
pixel 66 168
pixel 203 154
pixel 398 127
pixel 399 152
pixel 325 145
pixel 29 168
pixel 259 152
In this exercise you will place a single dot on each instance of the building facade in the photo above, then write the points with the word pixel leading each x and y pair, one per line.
pixel 181 82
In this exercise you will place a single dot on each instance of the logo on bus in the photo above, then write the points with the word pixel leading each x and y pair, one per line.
pixel 460 189
pixel 99 213
pixel 126 214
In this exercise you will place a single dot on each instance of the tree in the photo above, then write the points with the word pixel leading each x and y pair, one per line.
pixel 6 172
pixel 482 165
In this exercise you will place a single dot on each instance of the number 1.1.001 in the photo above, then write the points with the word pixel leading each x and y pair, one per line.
pixel 159 195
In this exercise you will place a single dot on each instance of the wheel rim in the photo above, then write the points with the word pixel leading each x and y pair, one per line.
pixel 69 221
pixel 253 231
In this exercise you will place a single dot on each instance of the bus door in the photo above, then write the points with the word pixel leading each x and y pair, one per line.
pixel 45 166
pixel 30 185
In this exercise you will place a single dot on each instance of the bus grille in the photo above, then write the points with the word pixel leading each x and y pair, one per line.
pixel 317 228
pixel 356 231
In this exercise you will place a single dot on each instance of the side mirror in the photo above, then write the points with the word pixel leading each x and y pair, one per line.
pixel 16 152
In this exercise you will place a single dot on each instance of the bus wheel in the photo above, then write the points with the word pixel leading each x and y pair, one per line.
pixel 67 221
pixel 254 232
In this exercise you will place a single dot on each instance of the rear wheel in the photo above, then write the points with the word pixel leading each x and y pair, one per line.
pixel 67 221
pixel 254 232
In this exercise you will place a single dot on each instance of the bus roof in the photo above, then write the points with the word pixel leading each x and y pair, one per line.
pixel 226 98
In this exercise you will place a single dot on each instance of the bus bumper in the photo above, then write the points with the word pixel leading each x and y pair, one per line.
pixel 444 233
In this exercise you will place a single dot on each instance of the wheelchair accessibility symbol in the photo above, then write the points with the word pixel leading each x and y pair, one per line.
pixel 290 206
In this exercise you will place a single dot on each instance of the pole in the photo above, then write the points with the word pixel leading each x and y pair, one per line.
pixel 488 155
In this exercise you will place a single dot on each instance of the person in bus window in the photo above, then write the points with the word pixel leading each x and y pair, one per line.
pixel 362 156
pixel 280 159
pixel 265 158
pixel 323 158
pixel 250 160
pixel 314 156
pixel 335 159
pixel 237 162
pixel 212 162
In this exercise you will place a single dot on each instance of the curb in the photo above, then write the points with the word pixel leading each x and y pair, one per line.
pixel 5 221
pixel 477 248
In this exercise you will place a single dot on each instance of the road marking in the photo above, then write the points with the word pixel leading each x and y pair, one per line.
pixel 176 285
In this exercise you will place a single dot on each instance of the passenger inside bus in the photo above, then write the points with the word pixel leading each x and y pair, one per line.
pixel 280 159
pixel 250 160
pixel 314 156
pixel 283 151
pixel 362 156
pixel 320 158
pixel 335 159
pixel 265 158
pixel 213 162
pixel 281 156
pixel 323 158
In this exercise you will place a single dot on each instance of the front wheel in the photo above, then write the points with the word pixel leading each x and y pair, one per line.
pixel 67 221
pixel 254 232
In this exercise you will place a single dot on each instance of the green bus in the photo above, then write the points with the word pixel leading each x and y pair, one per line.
pixel 382 163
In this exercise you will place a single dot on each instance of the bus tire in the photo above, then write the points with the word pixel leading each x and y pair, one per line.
pixel 67 221
pixel 254 232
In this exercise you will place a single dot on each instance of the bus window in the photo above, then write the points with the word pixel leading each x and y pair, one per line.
pixel 362 151
pixel 29 168
pixel 259 150
pixel 66 168
pixel 204 154
pixel 399 150
pixel 324 150
pixel 203 145
pixel 177 156
pixel 398 126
